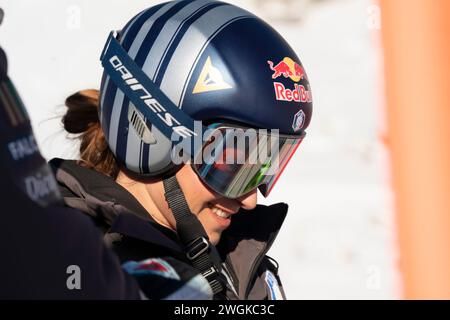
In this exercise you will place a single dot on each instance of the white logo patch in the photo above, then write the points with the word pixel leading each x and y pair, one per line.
pixel 274 287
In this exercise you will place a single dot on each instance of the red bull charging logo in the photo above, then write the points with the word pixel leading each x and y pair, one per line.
pixel 288 68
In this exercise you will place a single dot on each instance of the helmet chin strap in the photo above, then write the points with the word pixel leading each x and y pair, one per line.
pixel 202 255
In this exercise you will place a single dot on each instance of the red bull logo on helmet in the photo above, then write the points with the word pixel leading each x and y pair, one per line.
pixel 287 68
pixel 298 94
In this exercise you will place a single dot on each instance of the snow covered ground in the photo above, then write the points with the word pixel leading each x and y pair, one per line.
pixel 338 241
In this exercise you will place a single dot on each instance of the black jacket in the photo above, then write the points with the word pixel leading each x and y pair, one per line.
pixel 45 249
pixel 134 235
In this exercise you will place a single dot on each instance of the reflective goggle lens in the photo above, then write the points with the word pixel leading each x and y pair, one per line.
pixel 234 162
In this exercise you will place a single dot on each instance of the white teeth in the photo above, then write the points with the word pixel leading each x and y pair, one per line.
pixel 220 213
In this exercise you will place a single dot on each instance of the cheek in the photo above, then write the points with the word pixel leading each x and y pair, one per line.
pixel 198 198
pixel 197 195
pixel 209 223
pixel 206 219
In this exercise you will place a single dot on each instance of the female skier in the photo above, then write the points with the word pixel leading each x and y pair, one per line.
pixel 171 66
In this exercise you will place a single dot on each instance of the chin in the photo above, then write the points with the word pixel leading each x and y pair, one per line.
pixel 214 237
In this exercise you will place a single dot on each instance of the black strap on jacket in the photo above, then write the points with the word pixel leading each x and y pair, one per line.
pixel 203 256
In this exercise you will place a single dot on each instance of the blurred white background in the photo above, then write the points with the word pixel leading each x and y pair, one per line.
pixel 338 241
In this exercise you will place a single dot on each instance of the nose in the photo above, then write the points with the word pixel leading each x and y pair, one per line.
pixel 248 201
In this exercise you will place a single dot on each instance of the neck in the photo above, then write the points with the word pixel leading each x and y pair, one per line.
pixel 145 193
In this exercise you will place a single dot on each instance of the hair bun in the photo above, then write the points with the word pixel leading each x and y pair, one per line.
pixel 82 111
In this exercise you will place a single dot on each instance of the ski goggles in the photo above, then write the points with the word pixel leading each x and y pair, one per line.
pixel 236 160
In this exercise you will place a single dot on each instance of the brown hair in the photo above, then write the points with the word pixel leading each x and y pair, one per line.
pixel 82 119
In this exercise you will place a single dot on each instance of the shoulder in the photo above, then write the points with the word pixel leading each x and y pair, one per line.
pixel 126 225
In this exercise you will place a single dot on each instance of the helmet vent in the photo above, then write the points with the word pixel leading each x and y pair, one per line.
pixel 139 126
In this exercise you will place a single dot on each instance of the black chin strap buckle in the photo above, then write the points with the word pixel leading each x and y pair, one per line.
pixel 213 276
pixel 198 253
pixel 196 248
pixel 210 274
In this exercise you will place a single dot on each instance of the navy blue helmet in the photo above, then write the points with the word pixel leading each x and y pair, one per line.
pixel 217 63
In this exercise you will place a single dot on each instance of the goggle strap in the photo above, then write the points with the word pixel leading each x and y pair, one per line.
pixel 146 96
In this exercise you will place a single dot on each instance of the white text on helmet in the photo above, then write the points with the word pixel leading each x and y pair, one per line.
pixel 298 94
pixel 151 102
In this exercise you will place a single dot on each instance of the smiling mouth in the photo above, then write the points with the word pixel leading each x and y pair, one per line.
pixel 221 213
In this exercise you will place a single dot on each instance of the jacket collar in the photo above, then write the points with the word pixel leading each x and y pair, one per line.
pixel 109 204
pixel 243 244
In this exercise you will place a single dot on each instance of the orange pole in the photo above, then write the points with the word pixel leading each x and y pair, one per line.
pixel 416 40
